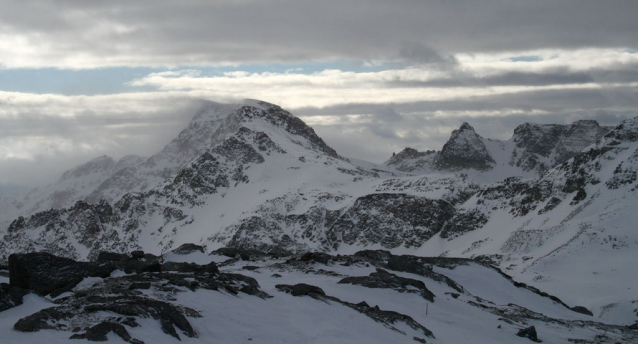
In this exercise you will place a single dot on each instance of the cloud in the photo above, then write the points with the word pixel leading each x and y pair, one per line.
pixel 420 55
pixel 429 66
pixel 43 135
pixel 78 34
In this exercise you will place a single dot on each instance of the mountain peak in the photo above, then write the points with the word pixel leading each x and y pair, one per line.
pixel 465 149
pixel 466 127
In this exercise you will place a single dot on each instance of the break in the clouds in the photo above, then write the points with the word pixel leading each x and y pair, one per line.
pixel 80 79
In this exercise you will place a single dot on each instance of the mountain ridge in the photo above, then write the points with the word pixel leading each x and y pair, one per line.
pixel 531 151
pixel 266 181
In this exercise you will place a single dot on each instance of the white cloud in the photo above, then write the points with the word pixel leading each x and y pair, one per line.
pixel 333 87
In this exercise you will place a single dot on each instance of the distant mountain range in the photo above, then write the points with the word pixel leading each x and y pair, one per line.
pixel 554 206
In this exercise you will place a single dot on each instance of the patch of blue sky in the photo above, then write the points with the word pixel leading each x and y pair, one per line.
pixel 72 82
pixel 114 80
pixel 528 58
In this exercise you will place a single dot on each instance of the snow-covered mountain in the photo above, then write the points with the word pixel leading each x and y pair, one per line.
pixel 532 150
pixel 552 206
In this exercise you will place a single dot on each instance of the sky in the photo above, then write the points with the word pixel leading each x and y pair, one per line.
pixel 80 79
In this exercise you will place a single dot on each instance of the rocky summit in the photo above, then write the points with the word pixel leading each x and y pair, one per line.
pixel 292 224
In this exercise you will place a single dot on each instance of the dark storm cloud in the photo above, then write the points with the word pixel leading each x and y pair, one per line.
pixel 195 32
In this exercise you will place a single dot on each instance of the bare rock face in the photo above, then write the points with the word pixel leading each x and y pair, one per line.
pixel 410 160
pixel 391 220
pixel 465 149
pixel 543 146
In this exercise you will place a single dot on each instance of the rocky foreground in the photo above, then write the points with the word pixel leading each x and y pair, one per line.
pixel 234 295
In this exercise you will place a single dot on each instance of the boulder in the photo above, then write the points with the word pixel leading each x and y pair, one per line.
pixel 10 296
pixel 105 257
pixel 98 333
pixel 45 319
pixel 582 310
pixel 530 333
pixel 45 273
pixel 188 249
pixel 137 254
pixel 300 289
pixel 318 257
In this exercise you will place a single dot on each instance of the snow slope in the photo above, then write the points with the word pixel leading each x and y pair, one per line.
pixel 254 176
pixel 477 304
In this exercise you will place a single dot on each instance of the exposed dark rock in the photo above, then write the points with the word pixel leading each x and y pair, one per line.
pixel 409 160
pixel 465 149
pixel 245 284
pixel 538 141
pixel 577 309
pixel 582 310
pixel 140 285
pixel 318 257
pixel 375 255
pixel 133 265
pixel 384 279
pixel 190 267
pixel 387 318
pixel 98 333
pixel 551 204
pixel 417 265
pixel 580 195
pixel 188 249
pixel 463 222
pixel 300 289
pixel 529 332
pixel 10 296
pixel 137 254
pixel 232 252
pixel 250 267
pixel 283 119
pixel 390 220
pixel 45 273
pixel 45 319
pixel 168 315
pixel 260 234
pixel 104 257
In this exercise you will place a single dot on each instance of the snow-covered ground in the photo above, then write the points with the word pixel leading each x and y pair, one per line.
pixel 469 316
